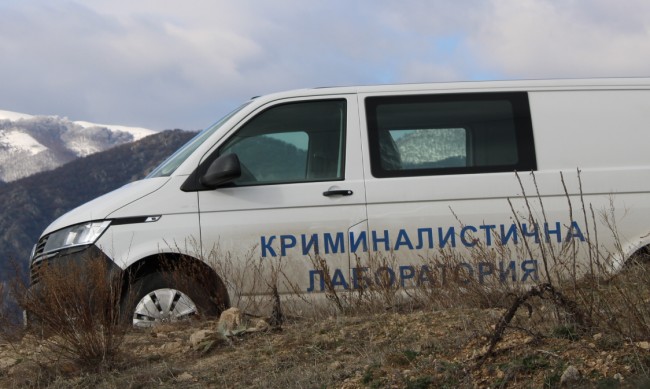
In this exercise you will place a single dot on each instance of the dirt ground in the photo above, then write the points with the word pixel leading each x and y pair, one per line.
pixel 415 349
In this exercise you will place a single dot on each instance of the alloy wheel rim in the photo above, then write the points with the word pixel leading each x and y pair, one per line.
pixel 163 306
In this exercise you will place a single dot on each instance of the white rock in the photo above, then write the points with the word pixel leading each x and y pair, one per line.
pixel 6 362
pixel 336 365
pixel 643 345
pixel 230 319
pixel 261 325
pixel 184 377
pixel 570 375
pixel 201 336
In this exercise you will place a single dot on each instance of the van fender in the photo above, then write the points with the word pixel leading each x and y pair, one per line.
pixel 635 248
pixel 186 273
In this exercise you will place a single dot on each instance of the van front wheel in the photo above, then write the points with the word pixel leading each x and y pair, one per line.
pixel 164 297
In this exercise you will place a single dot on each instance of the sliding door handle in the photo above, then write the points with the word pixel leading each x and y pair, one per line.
pixel 338 192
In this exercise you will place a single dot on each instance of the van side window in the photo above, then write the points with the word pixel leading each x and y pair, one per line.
pixel 449 134
pixel 294 142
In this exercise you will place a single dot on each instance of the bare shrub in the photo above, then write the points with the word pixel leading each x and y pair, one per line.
pixel 320 264
pixel 621 303
pixel 75 307
pixel 243 276
pixel 442 279
pixel 3 308
pixel 581 288
pixel 258 286
pixel 477 277
pixel 371 288
pixel 7 327
pixel 376 283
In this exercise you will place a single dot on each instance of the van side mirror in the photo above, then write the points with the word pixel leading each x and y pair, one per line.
pixel 222 170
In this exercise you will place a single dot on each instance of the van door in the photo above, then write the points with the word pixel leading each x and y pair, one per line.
pixel 441 172
pixel 300 192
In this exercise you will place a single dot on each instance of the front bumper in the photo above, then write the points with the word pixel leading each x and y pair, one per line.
pixel 75 258
pixel 75 264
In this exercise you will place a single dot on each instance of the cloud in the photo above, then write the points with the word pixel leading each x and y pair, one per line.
pixel 566 39
pixel 107 64
pixel 164 63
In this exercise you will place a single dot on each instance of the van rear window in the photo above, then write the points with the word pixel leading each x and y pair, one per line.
pixel 449 134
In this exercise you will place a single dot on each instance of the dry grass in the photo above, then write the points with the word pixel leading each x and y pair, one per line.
pixel 7 320
pixel 74 312
pixel 418 349
pixel 408 346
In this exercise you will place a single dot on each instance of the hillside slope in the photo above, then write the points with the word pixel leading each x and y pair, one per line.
pixel 413 349
pixel 28 205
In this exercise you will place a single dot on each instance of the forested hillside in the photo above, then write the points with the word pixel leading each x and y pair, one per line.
pixel 28 205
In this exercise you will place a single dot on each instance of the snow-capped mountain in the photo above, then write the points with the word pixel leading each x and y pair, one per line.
pixel 31 144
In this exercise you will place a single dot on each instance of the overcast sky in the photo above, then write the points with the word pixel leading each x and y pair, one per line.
pixel 181 64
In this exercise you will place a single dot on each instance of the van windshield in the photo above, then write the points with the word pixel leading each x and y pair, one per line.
pixel 170 165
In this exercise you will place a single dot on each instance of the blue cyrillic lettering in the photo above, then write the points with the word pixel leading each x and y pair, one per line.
pixel 286 242
pixel 488 233
pixel 362 240
pixel 307 245
pixel 574 232
pixel 403 240
pixel 529 267
pixel 312 275
pixel 406 273
pixel 450 237
pixel 358 275
pixel 426 275
pixel 376 240
pixel 381 280
pixel 334 246
pixel 511 269
pixel 470 272
pixel 557 232
pixel 484 269
pixel 463 232
pixel 339 279
pixel 524 232
pixel 512 233
pixel 443 273
pixel 266 247
pixel 421 232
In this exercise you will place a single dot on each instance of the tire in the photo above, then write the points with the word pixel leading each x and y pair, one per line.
pixel 166 297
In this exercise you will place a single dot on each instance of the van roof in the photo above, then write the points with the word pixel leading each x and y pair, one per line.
pixel 474 86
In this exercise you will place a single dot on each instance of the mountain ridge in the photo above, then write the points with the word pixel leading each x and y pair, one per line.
pixel 30 144
pixel 29 204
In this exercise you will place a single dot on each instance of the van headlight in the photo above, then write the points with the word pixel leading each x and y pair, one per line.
pixel 77 235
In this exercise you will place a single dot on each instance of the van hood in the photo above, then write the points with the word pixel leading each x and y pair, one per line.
pixel 101 207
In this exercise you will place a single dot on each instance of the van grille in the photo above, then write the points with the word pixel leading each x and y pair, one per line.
pixel 40 246
pixel 35 271
pixel 35 267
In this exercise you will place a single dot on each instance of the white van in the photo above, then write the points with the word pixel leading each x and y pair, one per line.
pixel 404 171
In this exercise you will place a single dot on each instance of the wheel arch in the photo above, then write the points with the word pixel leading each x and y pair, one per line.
pixel 640 254
pixel 204 275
